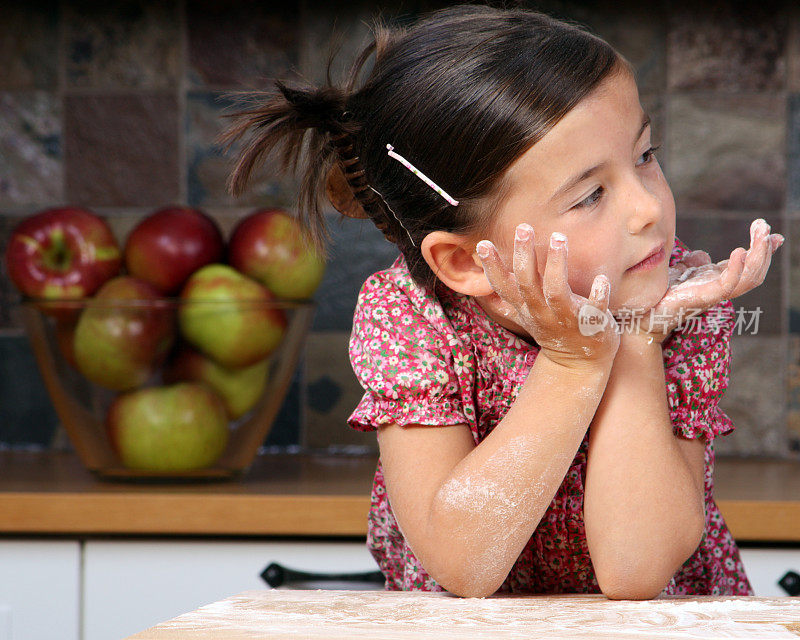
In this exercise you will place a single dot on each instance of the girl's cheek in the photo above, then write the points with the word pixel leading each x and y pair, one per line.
pixel 582 274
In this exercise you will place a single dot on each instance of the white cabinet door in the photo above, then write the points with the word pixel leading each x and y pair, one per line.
pixel 39 589
pixel 766 566
pixel 132 585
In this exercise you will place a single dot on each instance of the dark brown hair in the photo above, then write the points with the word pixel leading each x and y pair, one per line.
pixel 461 94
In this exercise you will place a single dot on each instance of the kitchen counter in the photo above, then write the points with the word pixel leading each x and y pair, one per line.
pixel 304 495
pixel 396 615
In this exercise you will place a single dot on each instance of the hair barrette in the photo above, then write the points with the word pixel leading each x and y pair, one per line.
pixel 421 176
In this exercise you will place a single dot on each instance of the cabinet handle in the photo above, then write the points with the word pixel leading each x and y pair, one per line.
pixel 275 575
pixel 791 583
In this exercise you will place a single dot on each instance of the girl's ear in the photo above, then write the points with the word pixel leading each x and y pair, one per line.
pixel 453 259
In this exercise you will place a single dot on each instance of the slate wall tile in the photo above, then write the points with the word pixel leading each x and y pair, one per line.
pixel 793 48
pixel 122 44
pixel 727 151
pixel 27 417
pixel 121 150
pixel 758 410
pixel 793 151
pixel 792 246
pixel 357 250
pixel 326 29
pixel 793 392
pixel 727 46
pixel 286 430
pixel 31 157
pixel 10 318
pixel 244 44
pixel 29 45
pixel 638 31
pixel 333 392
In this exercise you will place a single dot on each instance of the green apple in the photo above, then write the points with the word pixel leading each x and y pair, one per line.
pixel 172 428
pixel 239 388
pixel 123 334
pixel 229 317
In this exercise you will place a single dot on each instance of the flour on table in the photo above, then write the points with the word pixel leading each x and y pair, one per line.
pixel 401 615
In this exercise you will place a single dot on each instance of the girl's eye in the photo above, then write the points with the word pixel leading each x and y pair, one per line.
pixel 598 193
pixel 591 199
pixel 649 154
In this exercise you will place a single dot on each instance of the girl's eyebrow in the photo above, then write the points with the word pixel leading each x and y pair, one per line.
pixel 572 182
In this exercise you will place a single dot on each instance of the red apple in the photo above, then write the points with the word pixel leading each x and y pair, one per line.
pixel 239 388
pixel 123 334
pixel 62 253
pixel 173 428
pixel 169 245
pixel 230 317
pixel 270 246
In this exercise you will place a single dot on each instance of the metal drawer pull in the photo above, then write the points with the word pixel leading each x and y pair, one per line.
pixel 275 575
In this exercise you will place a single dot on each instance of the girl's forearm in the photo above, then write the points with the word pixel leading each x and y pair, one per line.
pixel 489 506
pixel 643 513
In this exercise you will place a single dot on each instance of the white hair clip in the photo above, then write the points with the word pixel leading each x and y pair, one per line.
pixel 421 175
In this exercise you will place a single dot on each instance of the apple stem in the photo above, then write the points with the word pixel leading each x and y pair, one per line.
pixel 59 256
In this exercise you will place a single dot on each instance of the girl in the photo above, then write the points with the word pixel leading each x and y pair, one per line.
pixel 535 433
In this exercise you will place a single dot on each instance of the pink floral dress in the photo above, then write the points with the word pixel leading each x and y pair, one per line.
pixel 440 360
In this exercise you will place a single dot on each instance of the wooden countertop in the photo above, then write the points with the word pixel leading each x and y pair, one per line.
pixel 304 495
pixel 411 615
pixel 286 494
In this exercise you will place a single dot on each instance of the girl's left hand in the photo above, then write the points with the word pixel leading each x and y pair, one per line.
pixel 698 284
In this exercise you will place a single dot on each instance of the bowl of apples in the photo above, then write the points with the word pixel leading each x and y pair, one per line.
pixel 168 357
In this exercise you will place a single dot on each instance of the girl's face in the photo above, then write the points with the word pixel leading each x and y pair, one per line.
pixel 593 178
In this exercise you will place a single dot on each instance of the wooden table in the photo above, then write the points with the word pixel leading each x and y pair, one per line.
pixel 394 615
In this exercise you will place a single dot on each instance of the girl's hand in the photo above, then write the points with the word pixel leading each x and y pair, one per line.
pixel 696 283
pixel 546 307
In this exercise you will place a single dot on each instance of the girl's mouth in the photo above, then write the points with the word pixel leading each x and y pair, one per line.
pixel 649 262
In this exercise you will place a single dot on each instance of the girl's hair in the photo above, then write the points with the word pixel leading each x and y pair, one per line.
pixel 461 94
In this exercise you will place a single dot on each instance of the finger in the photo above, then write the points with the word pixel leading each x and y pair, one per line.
pixel 678 269
pixel 761 274
pixel 554 284
pixel 732 274
pixel 758 227
pixel 696 258
pixel 757 254
pixel 777 240
pixel 525 271
pixel 739 255
pixel 497 273
pixel 600 293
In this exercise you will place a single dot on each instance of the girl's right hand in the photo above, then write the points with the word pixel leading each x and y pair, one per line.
pixel 546 307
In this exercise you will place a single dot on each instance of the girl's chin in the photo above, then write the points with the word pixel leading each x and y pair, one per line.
pixel 646 299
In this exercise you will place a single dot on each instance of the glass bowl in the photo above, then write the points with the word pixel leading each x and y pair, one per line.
pixel 167 389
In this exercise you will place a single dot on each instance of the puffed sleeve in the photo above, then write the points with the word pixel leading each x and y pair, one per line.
pixel 697 364
pixel 407 358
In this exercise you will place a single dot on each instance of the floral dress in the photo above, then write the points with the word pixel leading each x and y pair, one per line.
pixel 438 359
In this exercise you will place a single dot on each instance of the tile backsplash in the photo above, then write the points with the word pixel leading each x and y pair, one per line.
pixel 115 106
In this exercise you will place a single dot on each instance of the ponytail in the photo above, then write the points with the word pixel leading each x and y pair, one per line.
pixel 292 121
pixel 314 128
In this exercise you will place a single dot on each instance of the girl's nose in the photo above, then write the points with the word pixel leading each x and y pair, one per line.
pixel 645 207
